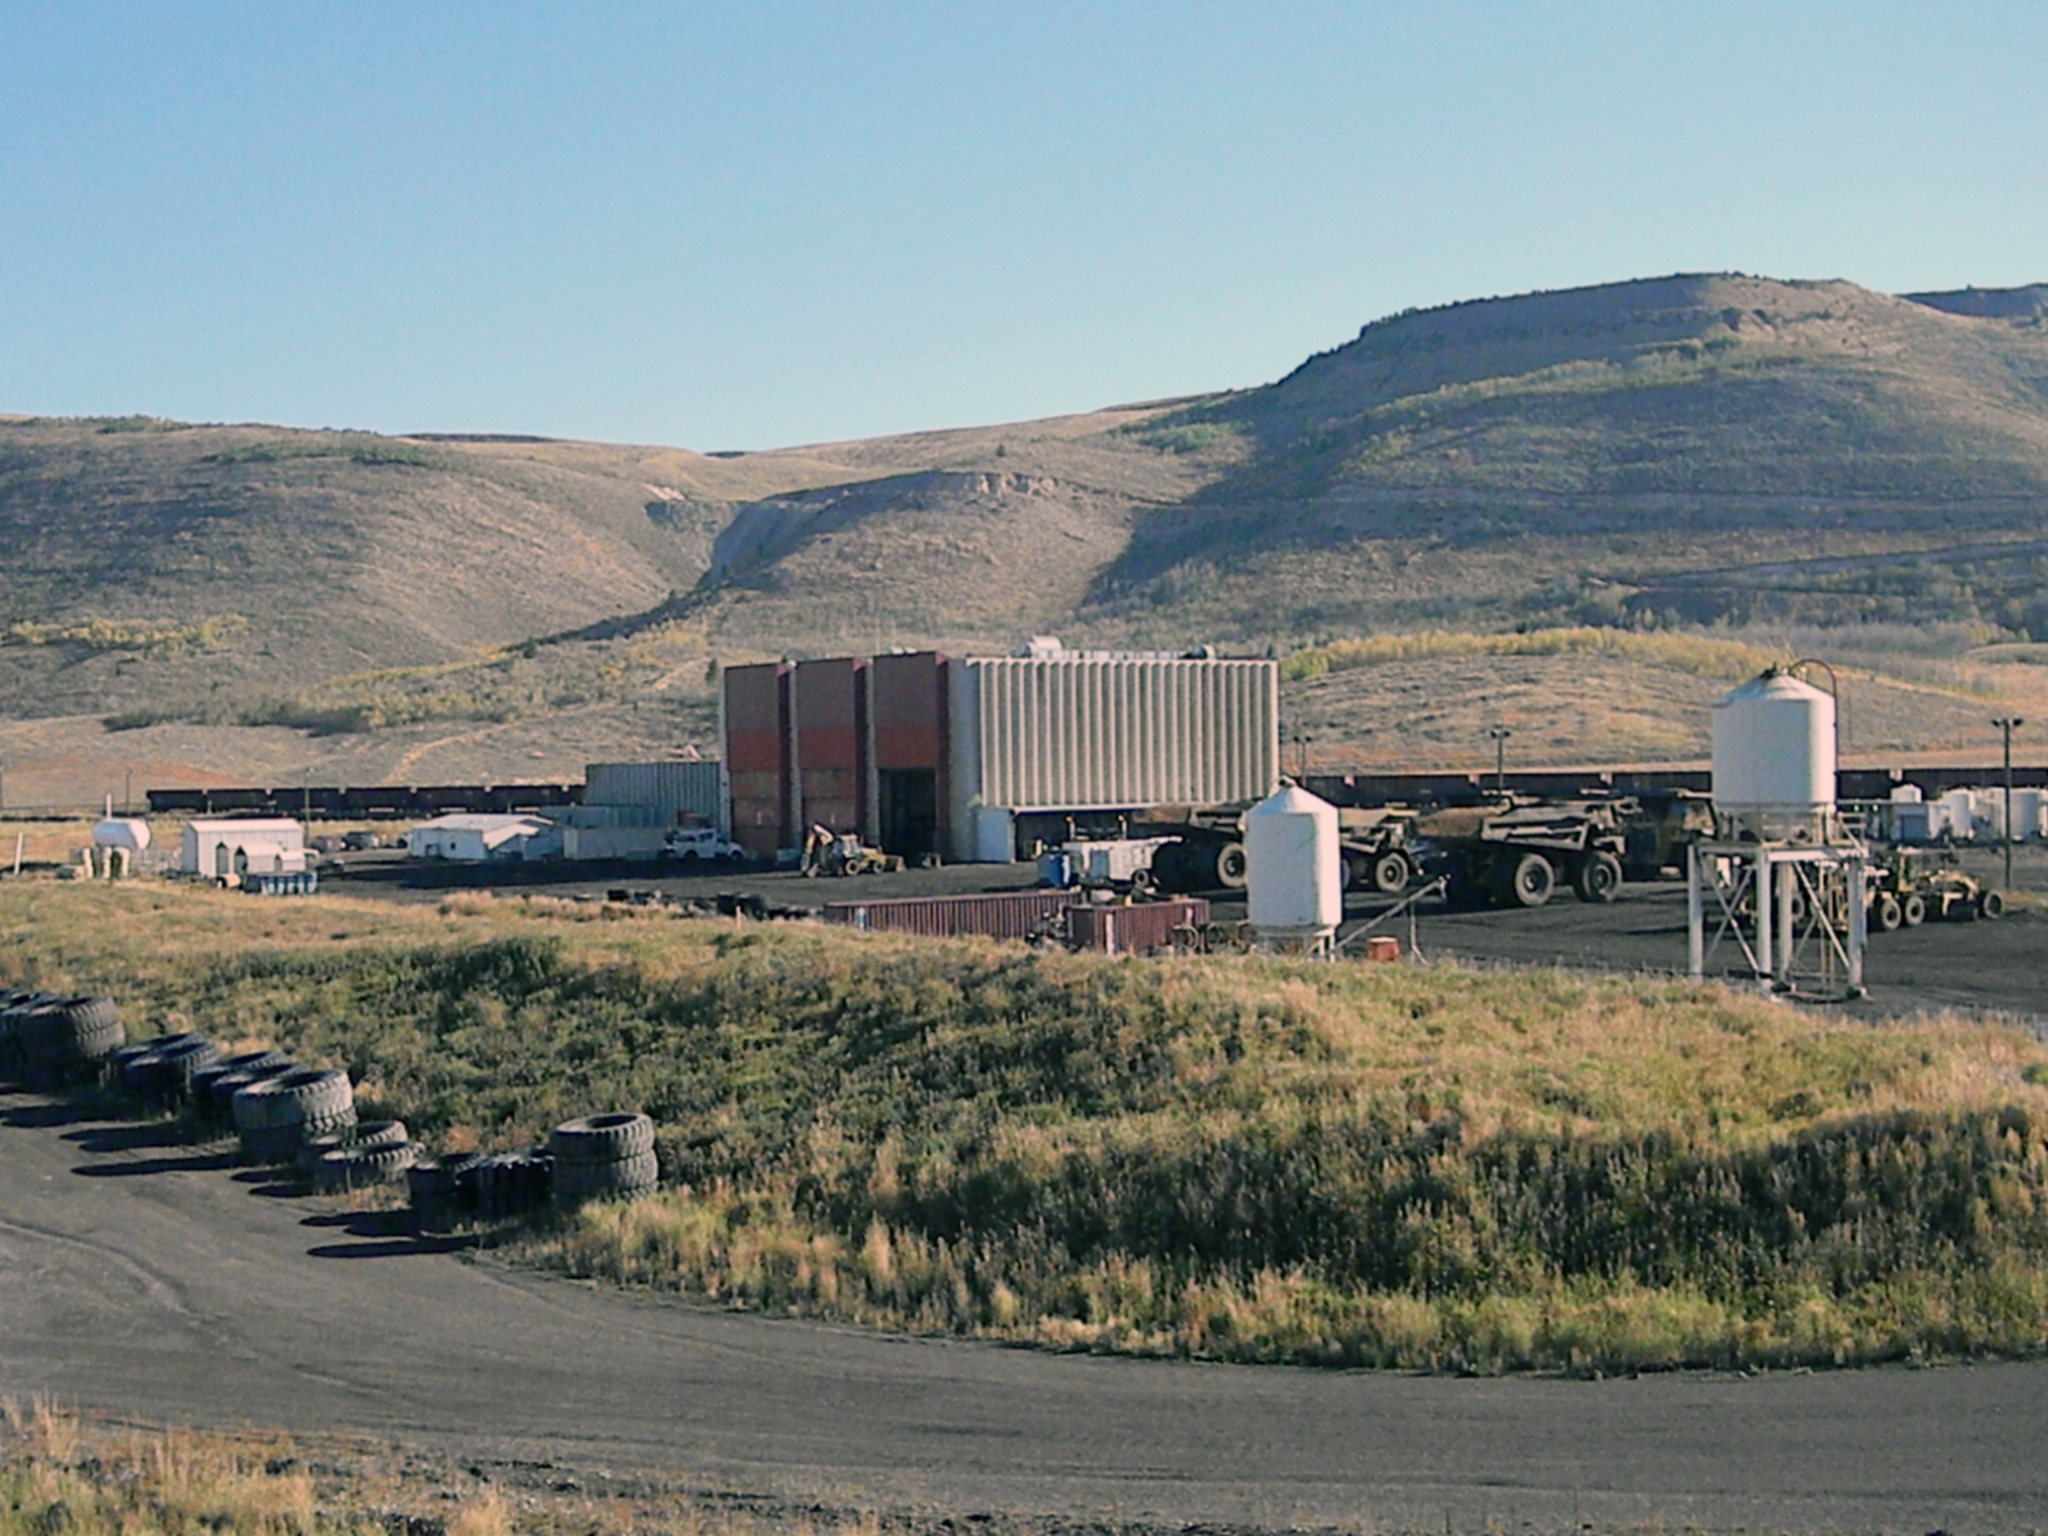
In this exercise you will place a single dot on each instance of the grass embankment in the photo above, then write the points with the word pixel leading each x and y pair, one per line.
pixel 65 1475
pixel 1242 1159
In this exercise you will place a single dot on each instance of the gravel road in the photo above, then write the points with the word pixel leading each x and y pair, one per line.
pixel 156 1280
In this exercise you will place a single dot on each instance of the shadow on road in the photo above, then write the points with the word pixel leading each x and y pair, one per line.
pixel 383 1234
pixel 197 1162
pixel 41 1117
pixel 128 1138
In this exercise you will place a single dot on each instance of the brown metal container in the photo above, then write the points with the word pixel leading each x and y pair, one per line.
pixel 1003 915
pixel 1142 929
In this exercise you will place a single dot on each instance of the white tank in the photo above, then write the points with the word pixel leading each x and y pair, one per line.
pixel 1294 868
pixel 1774 747
pixel 129 832
pixel 2026 814
pixel 1962 813
pixel 1905 794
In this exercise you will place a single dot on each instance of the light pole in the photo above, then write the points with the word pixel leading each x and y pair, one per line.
pixel 2008 724
pixel 1500 735
pixel 1301 758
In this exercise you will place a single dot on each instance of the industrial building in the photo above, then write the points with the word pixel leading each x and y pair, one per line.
pixel 975 758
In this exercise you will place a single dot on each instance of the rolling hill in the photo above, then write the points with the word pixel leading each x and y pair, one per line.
pixel 1791 466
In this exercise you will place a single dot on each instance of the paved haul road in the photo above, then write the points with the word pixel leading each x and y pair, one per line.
pixel 161 1282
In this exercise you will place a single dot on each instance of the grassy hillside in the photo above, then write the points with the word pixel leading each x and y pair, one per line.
pixel 1231 1158
pixel 1799 467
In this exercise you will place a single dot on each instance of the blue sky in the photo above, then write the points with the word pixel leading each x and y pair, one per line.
pixel 744 226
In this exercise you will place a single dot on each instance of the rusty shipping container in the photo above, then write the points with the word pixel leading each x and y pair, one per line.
pixel 1141 929
pixel 754 726
pixel 1003 915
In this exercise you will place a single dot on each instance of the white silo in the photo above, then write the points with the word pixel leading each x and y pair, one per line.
pixel 1295 872
pixel 1962 814
pixel 2026 814
pixel 1774 757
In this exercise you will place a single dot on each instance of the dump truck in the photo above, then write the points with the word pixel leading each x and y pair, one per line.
pixel 1207 848
pixel 1515 853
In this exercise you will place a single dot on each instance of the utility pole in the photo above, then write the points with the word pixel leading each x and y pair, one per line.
pixel 1500 735
pixel 2008 724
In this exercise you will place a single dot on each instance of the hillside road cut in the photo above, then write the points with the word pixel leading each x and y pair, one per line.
pixel 156 1281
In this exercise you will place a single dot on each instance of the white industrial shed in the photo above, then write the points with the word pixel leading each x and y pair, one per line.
pixel 474 837
pixel 1067 732
pixel 217 846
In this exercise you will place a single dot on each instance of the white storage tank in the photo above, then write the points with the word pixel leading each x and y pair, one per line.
pixel 1774 755
pixel 2026 814
pixel 130 833
pixel 1961 805
pixel 1295 869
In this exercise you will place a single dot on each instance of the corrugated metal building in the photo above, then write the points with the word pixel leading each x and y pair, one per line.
pixel 670 792
pixel 920 753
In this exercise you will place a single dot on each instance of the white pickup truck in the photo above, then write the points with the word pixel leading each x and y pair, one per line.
pixel 700 844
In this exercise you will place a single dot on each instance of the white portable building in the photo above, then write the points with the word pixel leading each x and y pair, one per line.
pixel 271 845
pixel 471 837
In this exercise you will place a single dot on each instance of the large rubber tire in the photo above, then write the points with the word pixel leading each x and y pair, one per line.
pixel 380 1133
pixel 1233 867
pixel 1913 910
pixel 1391 873
pixel 511 1184
pixel 359 1167
pixel 1886 913
pixel 578 1183
pixel 601 1138
pixel 1599 878
pixel 1991 906
pixel 1528 881
pixel 303 1094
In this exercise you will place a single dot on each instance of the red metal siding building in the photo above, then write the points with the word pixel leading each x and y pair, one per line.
pixel 909 793
pixel 756 730
pixel 828 719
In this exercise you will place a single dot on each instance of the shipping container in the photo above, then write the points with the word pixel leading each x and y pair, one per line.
pixel 1142 929
pixel 672 790
pixel 1004 915
pixel 754 728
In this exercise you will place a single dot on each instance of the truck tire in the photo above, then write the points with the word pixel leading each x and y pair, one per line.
pixel 1991 906
pixel 1391 873
pixel 1913 910
pixel 1233 867
pixel 1526 881
pixel 577 1183
pixel 1886 913
pixel 1599 878
pixel 601 1138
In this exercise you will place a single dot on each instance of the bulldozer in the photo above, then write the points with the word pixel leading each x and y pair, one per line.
pixel 843 853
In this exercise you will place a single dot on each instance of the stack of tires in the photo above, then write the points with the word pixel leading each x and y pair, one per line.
pixel 161 1072
pixel 603 1157
pixel 442 1190
pixel 275 1114
pixel 374 1152
pixel 212 1101
pixel 509 1184
pixel 66 1041
pixel 14 1006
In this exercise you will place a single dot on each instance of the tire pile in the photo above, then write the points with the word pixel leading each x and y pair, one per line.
pixel 304 1118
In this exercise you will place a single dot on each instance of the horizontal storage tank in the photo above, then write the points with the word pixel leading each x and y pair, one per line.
pixel 1774 754
pixel 1294 865
pixel 127 832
